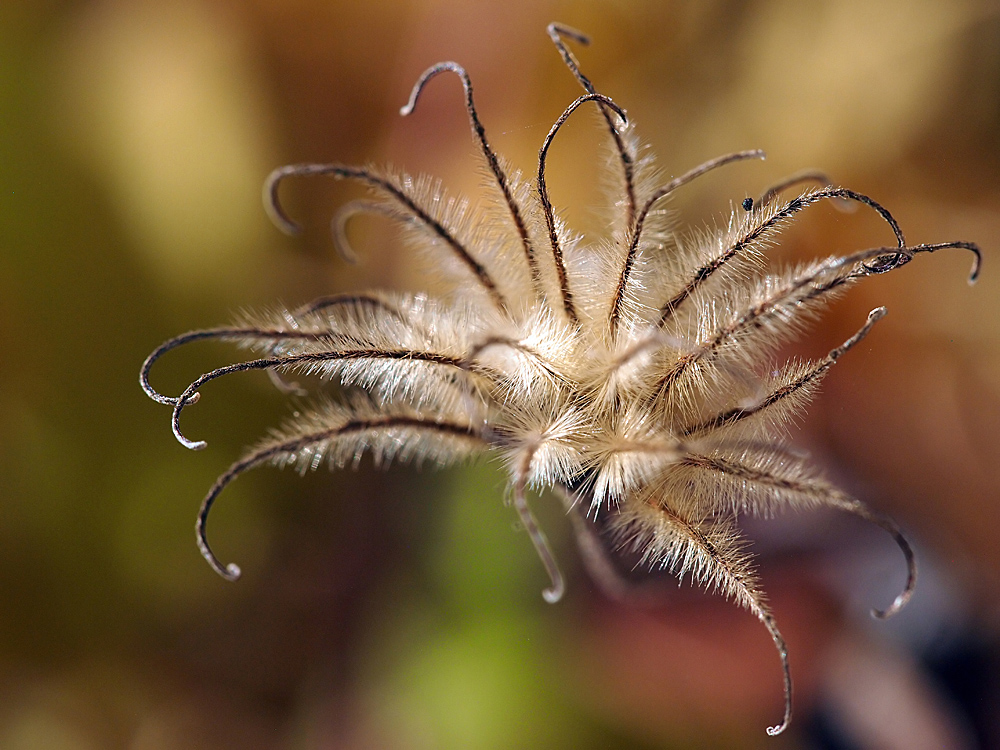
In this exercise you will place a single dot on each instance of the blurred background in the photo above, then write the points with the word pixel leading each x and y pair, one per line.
pixel 402 609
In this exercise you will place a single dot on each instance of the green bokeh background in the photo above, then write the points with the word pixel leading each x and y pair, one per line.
pixel 402 609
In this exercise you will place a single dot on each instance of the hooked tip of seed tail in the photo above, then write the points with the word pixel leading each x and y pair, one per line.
pixel 554 593
pixel 878 313
pixel 885 614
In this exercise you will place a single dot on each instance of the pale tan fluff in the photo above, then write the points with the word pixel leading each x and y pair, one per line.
pixel 631 373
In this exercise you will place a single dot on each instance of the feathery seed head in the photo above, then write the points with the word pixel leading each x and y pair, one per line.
pixel 631 374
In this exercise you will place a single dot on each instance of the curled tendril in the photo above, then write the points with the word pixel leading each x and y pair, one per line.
pixel 397 193
pixel 224 334
pixel 288 449
pixel 307 359
pixel 543 196
pixel 894 531
pixel 801 178
pixel 275 335
pixel 791 208
pixel 890 262
pixel 557 588
pixel 343 215
pixel 557 32
pixel 479 132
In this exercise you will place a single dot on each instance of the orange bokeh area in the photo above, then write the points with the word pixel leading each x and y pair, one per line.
pixel 402 608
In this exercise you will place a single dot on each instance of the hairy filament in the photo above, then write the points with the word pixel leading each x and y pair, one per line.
pixel 558 584
pixel 886 259
pixel 543 197
pixel 289 448
pixel 889 526
pixel 556 32
pixel 903 255
pixel 190 394
pixel 338 225
pixel 503 182
pixel 339 171
pixel 790 209
pixel 372 301
pixel 799 178
pixel 540 362
pixel 749 595
pixel 636 231
pixel 223 334
pixel 817 371
pixel 653 341
pixel 825 495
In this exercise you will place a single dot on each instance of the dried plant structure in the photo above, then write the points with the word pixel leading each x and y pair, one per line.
pixel 632 374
